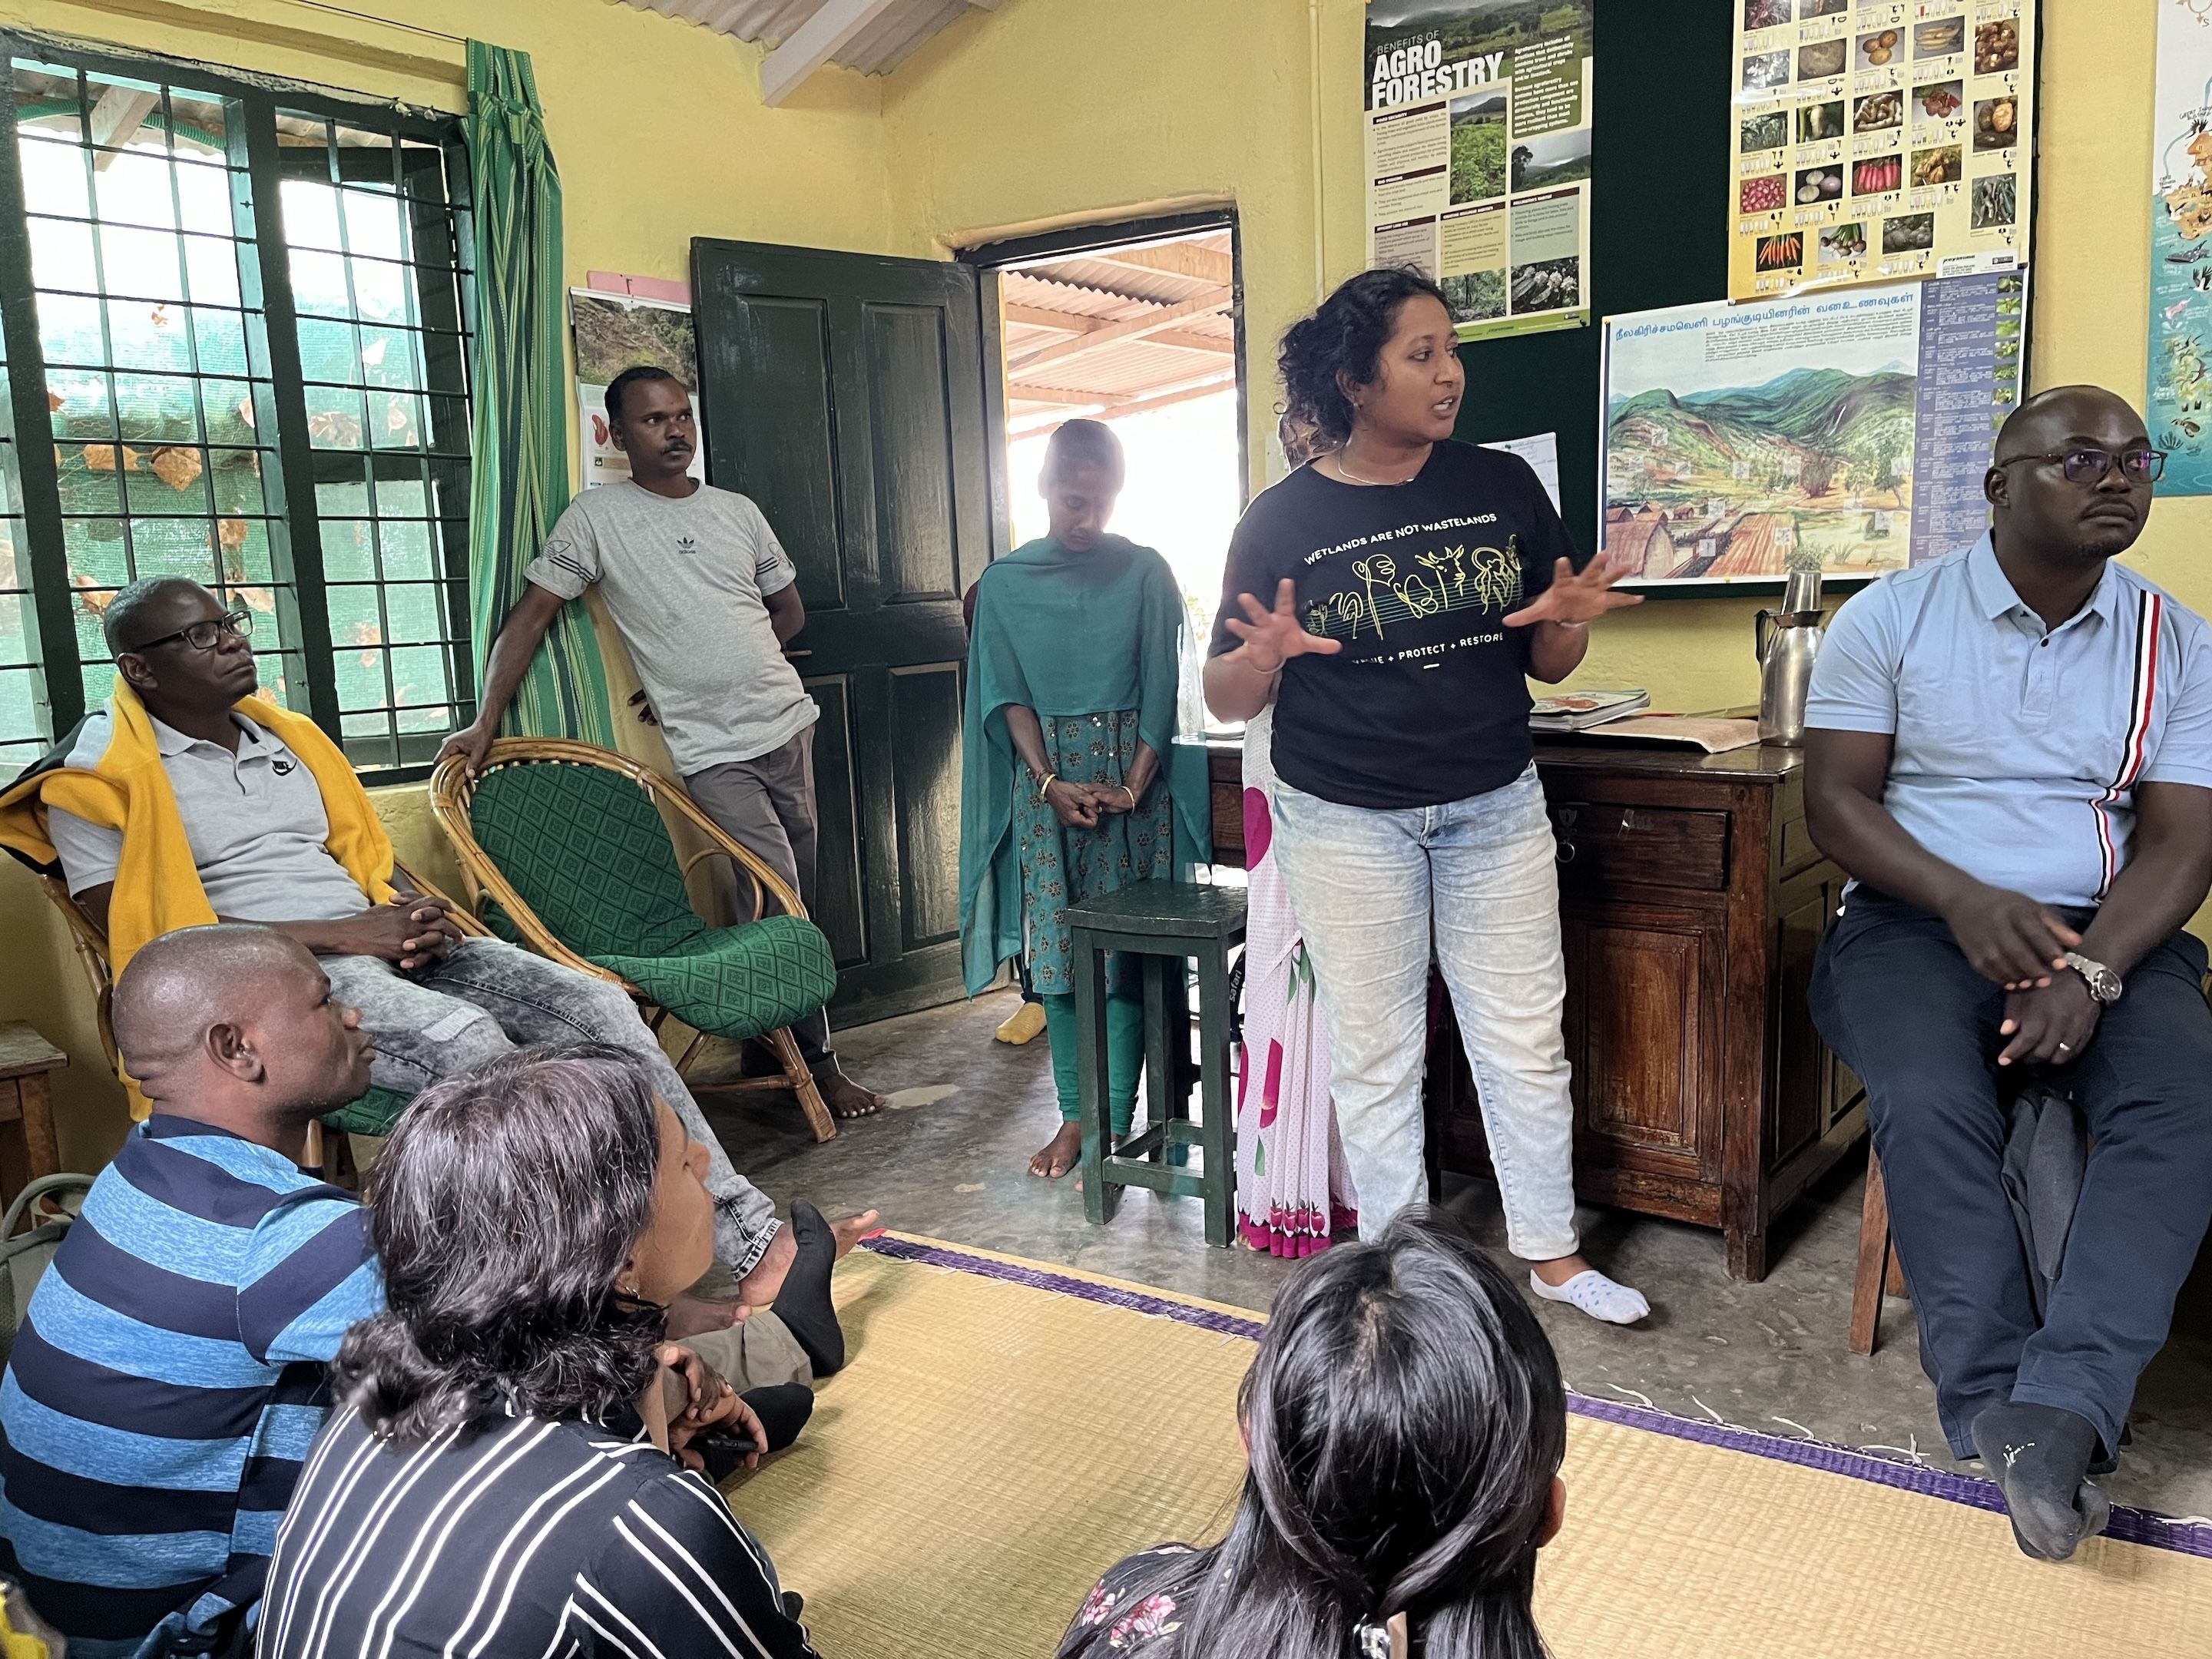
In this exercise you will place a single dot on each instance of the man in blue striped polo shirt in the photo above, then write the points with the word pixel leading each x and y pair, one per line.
pixel 169 1376
pixel 2010 752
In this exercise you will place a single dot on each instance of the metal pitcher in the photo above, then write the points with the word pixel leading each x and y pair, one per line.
pixel 1785 642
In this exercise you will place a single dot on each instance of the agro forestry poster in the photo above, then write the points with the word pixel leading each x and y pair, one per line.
pixel 1880 141
pixel 2180 404
pixel 1843 431
pixel 615 332
pixel 1478 156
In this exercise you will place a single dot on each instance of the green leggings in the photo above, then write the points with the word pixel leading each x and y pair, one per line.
pixel 1125 1044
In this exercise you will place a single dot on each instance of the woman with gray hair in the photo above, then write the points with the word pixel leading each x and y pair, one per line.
pixel 511 1466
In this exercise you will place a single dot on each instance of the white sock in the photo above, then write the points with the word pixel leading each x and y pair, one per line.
pixel 1596 1296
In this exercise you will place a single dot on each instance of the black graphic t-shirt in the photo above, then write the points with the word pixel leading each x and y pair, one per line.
pixel 1427 703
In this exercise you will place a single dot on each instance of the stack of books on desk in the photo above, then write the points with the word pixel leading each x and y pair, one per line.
pixel 1577 711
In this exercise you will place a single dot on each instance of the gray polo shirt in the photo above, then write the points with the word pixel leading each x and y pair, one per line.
pixel 685 580
pixel 2018 749
pixel 254 819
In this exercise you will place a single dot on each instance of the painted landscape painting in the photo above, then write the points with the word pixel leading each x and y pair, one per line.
pixel 1810 469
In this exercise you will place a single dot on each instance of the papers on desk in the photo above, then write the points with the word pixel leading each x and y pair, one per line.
pixel 1715 737
pixel 1577 711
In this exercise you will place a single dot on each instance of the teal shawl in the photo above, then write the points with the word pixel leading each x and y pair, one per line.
pixel 1063 632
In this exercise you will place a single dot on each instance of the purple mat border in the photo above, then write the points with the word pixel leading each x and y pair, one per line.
pixel 2132 1526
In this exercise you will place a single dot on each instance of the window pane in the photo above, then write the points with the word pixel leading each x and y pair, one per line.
pixel 372 267
pixel 146 265
pixel 203 199
pixel 212 269
pixel 145 260
pixel 62 255
pixel 158 404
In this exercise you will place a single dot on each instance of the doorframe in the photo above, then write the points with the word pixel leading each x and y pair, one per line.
pixel 1013 252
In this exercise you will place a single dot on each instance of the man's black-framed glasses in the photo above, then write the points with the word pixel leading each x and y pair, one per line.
pixel 2088 466
pixel 202 635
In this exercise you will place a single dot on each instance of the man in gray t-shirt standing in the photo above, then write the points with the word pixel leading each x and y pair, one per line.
pixel 706 599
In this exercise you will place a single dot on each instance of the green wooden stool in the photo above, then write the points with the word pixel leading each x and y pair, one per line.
pixel 1166 923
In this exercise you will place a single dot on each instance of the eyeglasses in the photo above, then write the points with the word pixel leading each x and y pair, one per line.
pixel 2089 466
pixel 202 636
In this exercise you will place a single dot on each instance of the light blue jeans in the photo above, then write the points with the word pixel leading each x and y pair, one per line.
pixel 1372 889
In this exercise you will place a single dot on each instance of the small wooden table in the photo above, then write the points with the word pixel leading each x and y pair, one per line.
pixel 1165 923
pixel 25 1060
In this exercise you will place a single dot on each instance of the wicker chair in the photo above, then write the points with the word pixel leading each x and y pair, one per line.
pixel 565 849
pixel 374 1113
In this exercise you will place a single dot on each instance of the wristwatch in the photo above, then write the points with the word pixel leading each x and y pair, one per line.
pixel 2103 984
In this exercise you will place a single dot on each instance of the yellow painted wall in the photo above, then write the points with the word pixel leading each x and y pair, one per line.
pixel 1046 112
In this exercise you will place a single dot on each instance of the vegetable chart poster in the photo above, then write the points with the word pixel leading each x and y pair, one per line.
pixel 2179 411
pixel 1478 156
pixel 1880 141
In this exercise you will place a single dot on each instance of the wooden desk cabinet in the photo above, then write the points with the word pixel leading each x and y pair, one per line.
pixel 1693 902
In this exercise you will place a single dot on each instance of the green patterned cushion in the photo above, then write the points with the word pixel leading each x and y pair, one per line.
pixel 374 1113
pixel 738 982
pixel 588 852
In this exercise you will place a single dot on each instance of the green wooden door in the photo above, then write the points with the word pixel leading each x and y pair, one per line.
pixel 846 394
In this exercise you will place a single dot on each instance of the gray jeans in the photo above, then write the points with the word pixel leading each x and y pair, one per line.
pixel 766 805
pixel 486 997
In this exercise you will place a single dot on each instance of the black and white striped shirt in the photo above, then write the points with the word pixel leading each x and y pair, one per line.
pixel 516 1538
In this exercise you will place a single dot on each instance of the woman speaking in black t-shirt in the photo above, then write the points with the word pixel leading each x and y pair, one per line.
pixel 1415 582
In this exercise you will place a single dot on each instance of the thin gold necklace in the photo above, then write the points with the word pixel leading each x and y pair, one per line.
pixel 1345 467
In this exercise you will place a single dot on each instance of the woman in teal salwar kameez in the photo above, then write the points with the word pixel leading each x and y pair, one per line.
pixel 1072 783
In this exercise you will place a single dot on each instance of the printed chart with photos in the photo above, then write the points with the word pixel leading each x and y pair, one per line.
pixel 1478 139
pixel 1880 141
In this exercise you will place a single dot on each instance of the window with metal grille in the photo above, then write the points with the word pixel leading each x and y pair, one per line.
pixel 239 311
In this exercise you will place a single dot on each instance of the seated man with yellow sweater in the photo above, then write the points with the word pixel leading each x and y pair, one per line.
pixel 191 799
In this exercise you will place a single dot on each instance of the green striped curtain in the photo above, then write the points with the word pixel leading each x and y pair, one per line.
pixel 520 449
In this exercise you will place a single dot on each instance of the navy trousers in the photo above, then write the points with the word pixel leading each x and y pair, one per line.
pixel 1894 997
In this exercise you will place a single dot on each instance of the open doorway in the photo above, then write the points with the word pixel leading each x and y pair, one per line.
pixel 1137 325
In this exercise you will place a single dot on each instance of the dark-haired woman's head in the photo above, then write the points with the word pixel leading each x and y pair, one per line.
pixel 533 1215
pixel 1405 1421
pixel 1379 355
pixel 1081 480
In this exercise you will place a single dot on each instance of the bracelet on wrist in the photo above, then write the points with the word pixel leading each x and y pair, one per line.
pixel 1050 778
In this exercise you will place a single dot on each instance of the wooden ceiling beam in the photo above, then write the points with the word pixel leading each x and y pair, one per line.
pixel 1166 399
pixel 814 43
pixel 1038 317
pixel 1133 328
pixel 1069 396
pixel 116 119
pixel 1187 341
pixel 1208 265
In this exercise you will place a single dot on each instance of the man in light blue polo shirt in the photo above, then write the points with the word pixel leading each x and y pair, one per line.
pixel 2010 752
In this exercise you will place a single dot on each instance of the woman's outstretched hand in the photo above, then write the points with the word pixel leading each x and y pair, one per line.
pixel 1576 596
pixel 1272 638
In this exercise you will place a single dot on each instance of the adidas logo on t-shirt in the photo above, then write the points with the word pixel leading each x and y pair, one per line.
pixel 685 545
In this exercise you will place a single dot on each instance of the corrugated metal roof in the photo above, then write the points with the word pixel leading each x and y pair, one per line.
pixel 1051 374
pixel 878 50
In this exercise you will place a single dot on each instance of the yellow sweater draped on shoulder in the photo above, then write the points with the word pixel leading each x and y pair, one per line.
pixel 157 885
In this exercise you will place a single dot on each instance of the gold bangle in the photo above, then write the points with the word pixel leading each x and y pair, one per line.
pixel 1131 795
pixel 1050 778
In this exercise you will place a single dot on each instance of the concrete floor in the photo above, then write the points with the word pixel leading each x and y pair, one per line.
pixel 950 1159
